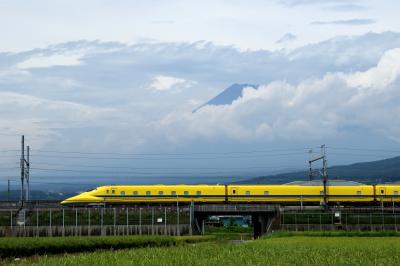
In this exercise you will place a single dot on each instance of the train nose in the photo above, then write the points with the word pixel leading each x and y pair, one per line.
pixel 82 198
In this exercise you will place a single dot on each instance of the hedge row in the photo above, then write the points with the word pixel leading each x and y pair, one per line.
pixel 22 247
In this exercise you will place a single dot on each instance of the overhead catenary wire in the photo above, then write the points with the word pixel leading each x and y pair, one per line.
pixel 140 173
pixel 160 168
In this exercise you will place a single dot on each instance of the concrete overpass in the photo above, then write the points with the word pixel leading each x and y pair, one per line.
pixel 264 217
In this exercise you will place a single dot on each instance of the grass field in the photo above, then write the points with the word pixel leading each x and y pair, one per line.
pixel 293 250
pixel 28 246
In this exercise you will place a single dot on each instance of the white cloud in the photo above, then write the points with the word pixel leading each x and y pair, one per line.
pixel 310 93
pixel 167 83
pixel 44 61
pixel 312 109
pixel 42 119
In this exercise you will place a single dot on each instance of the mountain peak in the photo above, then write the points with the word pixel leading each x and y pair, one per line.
pixel 228 95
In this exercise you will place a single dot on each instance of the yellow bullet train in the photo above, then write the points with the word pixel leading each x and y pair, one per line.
pixel 307 192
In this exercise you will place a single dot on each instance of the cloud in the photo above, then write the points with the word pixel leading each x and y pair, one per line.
pixel 312 108
pixel 126 93
pixel 287 37
pixel 42 119
pixel 166 83
pixel 50 61
pixel 342 5
pixel 349 22
pixel 163 21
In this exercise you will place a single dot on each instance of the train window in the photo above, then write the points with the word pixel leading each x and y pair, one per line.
pixel 135 193
pixel 160 193
pixel 382 191
pixel 186 193
pixel 198 193
pixel 173 193
pixel 122 193
pixel 266 192
pixel 396 193
pixel 113 191
pixel 108 191
pixel 247 193
pixel 359 192
pixel 148 193
pixel 234 191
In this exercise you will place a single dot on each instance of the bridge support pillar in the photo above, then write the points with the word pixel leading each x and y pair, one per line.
pixel 198 224
pixel 259 221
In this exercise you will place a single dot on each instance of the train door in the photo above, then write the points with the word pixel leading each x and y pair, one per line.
pixel 382 194
pixel 234 192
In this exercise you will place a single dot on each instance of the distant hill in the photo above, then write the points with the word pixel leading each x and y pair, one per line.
pixel 35 195
pixel 228 95
pixel 381 171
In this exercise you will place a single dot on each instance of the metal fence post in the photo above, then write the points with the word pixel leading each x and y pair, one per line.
pixel 63 221
pixel 101 217
pixel 37 220
pixel 152 220
pixel 76 220
pixel 393 205
pixel 301 203
pixel 115 220
pixel 370 221
pixel 127 217
pixel 177 217
pixel 127 221
pixel 190 218
pixel 11 219
pixel 320 222
pixel 89 221
pixel 140 221
pixel 165 220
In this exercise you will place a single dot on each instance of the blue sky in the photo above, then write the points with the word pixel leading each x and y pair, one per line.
pixel 124 77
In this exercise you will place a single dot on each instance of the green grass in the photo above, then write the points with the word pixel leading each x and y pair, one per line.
pixel 296 250
pixel 22 247
pixel 230 232
pixel 336 234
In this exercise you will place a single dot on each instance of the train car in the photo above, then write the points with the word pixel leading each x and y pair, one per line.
pixel 273 193
pixel 150 194
pixel 302 191
pixel 387 193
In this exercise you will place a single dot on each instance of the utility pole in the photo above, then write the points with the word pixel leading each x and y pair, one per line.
pixel 8 190
pixel 324 171
pixel 27 175
pixel 310 164
pixel 22 169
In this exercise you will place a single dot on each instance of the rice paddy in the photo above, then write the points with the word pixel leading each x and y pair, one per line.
pixel 282 250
